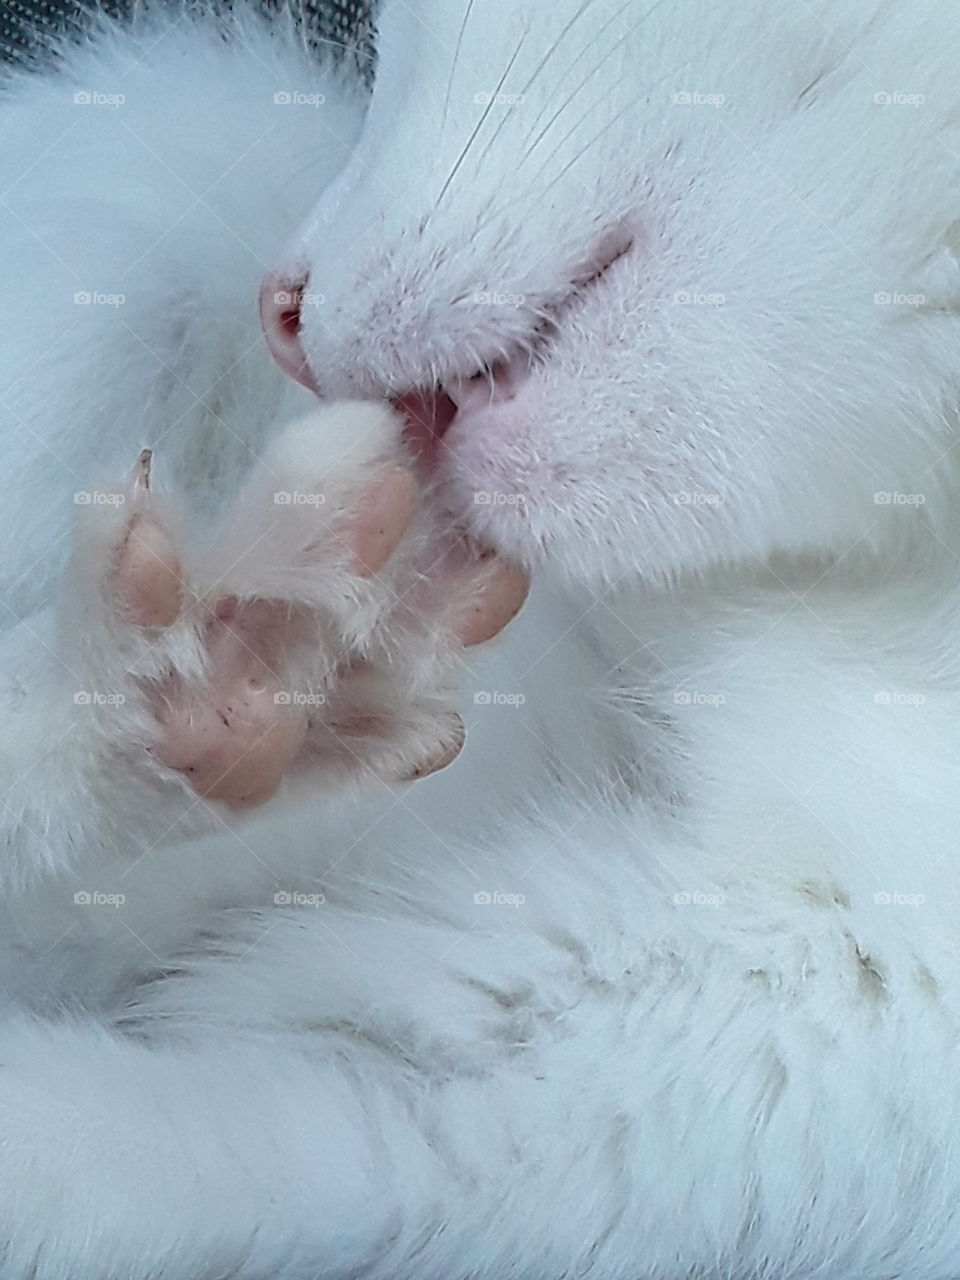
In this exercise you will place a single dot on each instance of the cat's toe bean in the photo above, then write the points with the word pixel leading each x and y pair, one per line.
pixel 498 596
pixel 147 576
pixel 234 742
pixel 446 753
pixel 380 520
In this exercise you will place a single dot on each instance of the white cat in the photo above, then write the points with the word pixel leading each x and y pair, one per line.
pixel 661 977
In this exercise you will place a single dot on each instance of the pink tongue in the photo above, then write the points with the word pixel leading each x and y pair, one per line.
pixel 428 414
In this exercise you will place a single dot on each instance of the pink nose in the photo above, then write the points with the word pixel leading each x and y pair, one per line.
pixel 281 304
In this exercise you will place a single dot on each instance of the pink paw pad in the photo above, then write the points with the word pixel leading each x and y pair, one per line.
pixel 234 737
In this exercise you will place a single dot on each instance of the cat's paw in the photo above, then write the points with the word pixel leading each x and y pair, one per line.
pixel 314 633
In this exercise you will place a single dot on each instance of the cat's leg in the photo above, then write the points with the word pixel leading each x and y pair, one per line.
pixel 132 239
pixel 76 775
pixel 236 1158
pixel 407 1095
pixel 318 1148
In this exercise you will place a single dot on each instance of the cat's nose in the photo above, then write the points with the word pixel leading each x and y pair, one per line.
pixel 281 304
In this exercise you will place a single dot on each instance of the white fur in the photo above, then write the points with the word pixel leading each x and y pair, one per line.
pixel 717 1036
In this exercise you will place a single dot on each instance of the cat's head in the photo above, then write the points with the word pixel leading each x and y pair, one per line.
pixel 687 267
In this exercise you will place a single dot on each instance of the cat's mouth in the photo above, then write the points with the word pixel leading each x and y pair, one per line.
pixel 431 412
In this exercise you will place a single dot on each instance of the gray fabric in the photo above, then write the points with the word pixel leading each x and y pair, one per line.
pixel 28 27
